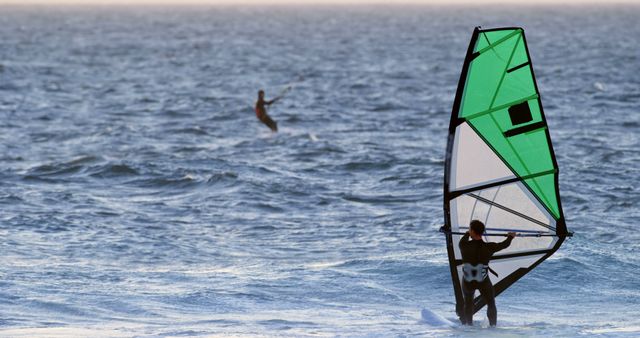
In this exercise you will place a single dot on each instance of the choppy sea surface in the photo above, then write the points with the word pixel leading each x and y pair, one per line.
pixel 139 195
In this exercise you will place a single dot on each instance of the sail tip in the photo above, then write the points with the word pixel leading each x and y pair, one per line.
pixel 481 30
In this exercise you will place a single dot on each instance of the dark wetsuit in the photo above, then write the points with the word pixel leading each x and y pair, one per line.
pixel 479 252
pixel 261 113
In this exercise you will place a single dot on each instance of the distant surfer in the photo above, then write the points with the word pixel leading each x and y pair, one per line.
pixel 261 111
pixel 475 269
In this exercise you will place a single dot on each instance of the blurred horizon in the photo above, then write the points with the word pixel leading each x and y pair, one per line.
pixel 317 2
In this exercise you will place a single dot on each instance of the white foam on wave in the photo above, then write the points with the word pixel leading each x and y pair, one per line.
pixel 630 329
pixel 433 319
pixel 60 332
pixel 599 86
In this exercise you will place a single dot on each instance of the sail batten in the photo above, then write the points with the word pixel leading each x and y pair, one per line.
pixel 500 166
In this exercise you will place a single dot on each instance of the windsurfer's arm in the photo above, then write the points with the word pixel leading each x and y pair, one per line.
pixel 268 103
pixel 464 240
pixel 504 244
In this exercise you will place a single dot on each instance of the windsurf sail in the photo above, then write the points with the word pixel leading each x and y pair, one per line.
pixel 500 166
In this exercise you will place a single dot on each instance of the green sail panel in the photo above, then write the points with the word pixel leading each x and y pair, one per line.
pixel 501 103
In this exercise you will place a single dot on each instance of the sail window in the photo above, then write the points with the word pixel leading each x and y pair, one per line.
pixel 520 113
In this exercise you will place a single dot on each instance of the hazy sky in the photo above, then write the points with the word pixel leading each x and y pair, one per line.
pixel 213 2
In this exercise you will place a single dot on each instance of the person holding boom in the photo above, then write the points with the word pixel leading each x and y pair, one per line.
pixel 476 255
pixel 261 111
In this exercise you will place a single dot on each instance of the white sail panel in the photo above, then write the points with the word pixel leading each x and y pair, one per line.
pixel 473 163
pixel 505 267
pixel 517 197
pixel 505 208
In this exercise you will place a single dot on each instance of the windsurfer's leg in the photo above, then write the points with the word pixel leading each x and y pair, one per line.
pixel 273 125
pixel 488 294
pixel 468 293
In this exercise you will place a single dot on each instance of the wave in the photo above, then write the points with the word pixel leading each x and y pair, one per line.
pixel 189 130
pixel 113 171
pixel 381 199
pixel 385 107
pixel 223 177
pixel 12 199
pixel 166 182
pixel 61 169
pixel 366 165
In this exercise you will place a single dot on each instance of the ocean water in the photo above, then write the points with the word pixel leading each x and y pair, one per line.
pixel 139 195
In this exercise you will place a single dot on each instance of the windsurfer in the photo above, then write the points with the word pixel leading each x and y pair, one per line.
pixel 475 258
pixel 261 111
